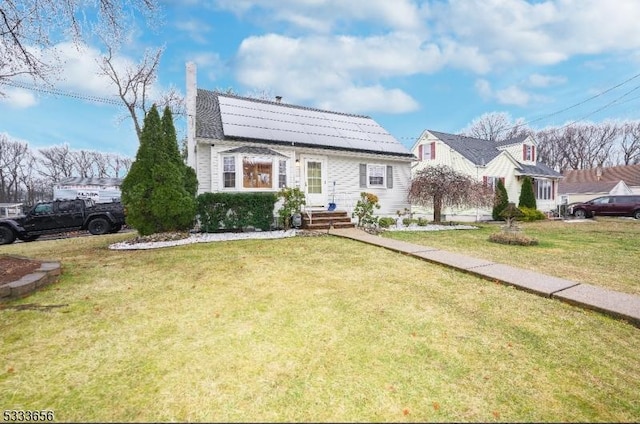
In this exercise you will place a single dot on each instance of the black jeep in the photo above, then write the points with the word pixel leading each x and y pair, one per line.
pixel 60 216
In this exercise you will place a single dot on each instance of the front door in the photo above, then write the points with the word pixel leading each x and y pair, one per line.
pixel 315 181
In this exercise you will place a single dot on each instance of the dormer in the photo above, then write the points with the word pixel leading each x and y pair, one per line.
pixel 528 151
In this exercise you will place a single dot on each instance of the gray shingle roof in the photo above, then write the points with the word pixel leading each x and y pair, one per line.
pixel 254 150
pixel 538 170
pixel 630 174
pixel 586 187
pixel 481 152
pixel 228 117
pixel 478 151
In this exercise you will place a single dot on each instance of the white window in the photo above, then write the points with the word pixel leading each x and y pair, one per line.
pixel 544 189
pixel 376 175
pixel 229 171
pixel 528 152
pixel 491 182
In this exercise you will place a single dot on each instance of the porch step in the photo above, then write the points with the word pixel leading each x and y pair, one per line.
pixel 323 220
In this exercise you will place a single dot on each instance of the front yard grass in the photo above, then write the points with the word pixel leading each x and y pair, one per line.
pixel 603 252
pixel 302 329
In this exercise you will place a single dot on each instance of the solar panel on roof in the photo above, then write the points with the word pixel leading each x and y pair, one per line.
pixel 283 123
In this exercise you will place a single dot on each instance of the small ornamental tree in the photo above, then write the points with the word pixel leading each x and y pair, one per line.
pixel 365 208
pixel 440 186
pixel 527 197
pixel 500 201
pixel 154 191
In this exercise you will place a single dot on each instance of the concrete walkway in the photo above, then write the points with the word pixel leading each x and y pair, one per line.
pixel 617 304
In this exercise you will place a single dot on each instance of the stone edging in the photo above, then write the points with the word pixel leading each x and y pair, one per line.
pixel 47 273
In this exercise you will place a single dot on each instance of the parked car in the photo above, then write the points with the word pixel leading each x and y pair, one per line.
pixel 60 216
pixel 607 206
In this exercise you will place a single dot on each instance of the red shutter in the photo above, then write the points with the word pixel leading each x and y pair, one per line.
pixel 420 150
pixel 433 150
pixel 484 180
pixel 524 152
pixel 533 153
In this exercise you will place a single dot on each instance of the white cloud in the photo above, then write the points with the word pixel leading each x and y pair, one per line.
pixel 483 87
pixel 323 16
pixel 512 95
pixel 80 71
pixel 539 80
pixel 310 68
pixel 196 30
pixel 18 98
pixel 369 100
pixel 544 32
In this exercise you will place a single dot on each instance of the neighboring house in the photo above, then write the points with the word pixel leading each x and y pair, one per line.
pixel 581 185
pixel 101 190
pixel 238 144
pixel 489 162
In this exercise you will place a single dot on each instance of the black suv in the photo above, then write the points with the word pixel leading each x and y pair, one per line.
pixel 608 206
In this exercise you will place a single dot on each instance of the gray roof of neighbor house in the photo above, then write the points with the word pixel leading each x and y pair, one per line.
pixel 586 187
pixel 538 170
pixel 228 117
pixel 476 150
pixel 599 180
pixel 481 152
pixel 90 181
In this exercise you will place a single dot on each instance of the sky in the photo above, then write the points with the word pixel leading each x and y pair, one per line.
pixel 411 65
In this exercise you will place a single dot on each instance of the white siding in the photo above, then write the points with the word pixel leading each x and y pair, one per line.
pixel 341 167
pixel 203 159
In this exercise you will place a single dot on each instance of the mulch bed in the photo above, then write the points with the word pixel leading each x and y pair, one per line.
pixel 13 268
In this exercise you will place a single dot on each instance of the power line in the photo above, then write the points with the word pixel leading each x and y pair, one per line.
pixel 583 102
pixel 56 92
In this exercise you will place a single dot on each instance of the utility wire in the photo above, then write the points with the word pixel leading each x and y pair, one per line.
pixel 56 92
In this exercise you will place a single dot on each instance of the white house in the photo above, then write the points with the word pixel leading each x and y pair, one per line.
pixel 239 144
pixel 487 161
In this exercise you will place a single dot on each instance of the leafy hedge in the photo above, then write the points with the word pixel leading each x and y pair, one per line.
pixel 531 214
pixel 235 211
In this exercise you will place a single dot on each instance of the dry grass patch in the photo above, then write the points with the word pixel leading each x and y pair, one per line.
pixel 303 329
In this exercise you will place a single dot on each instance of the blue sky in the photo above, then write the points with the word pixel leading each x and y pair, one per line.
pixel 411 65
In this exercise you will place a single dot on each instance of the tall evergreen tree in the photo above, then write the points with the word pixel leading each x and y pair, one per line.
pixel 500 201
pixel 154 191
pixel 171 140
pixel 527 196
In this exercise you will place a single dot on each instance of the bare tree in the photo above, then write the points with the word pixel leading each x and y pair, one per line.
pixel 630 143
pixel 29 27
pixel 120 165
pixel 83 163
pixel 56 162
pixel 494 126
pixel 440 186
pixel 550 149
pixel 13 158
pixel 134 82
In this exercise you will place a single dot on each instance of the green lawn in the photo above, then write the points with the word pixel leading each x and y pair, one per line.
pixel 302 329
pixel 604 252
